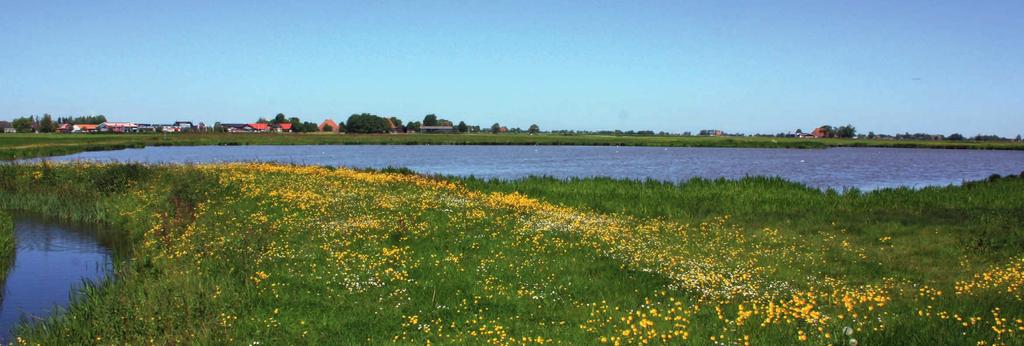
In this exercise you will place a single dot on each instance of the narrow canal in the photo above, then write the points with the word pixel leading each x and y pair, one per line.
pixel 52 262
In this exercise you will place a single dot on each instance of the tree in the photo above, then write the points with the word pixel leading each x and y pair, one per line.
pixel 430 120
pixel 88 119
pixel 955 137
pixel 280 118
pixel 307 126
pixel 846 131
pixel 23 124
pixel 1017 139
pixel 534 129
pixel 327 128
pixel 296 124
pixel 871 135
pixel 462 127
pixel 217 127
pixel 396 121
pixel 366 123
pixel 262 120
pixel 495 128
pixel 46 124
pixel 413 126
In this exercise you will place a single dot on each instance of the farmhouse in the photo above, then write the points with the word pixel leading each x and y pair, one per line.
pixel 259 127
pixel 281 127
pixel 84 128
pixel 235 128
pixel 117 127
pixel 819 133
pixel 437 129
pixel 333 125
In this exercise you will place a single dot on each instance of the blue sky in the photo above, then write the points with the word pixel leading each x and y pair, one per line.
pixel 747 66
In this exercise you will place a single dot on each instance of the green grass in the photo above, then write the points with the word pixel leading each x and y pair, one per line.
pixel 6 247
pixel 234 254
pixel 19 146
pixel 978 218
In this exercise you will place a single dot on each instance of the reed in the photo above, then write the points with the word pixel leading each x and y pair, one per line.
pixel 7 247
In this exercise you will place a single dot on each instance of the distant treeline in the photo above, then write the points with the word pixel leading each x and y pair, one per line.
pixel 372 123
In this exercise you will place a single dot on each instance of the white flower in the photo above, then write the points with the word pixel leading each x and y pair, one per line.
pixel 853 342
pixel 848 331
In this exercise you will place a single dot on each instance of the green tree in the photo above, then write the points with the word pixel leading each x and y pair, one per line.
pixel 846 131
pixel 88 119
pixel 296 124
pixel 413 126
pixel 280 118
pixel 366 123
pixel 534 129
pixel 396 121
pixel 495 128
pixel 46 124
pixel 328 128
pixel 23 124
pixel 955 137
pixel 262 120
pixel 430 120
pixel 462 127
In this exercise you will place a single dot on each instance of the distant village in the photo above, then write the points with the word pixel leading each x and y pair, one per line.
pixel 431 123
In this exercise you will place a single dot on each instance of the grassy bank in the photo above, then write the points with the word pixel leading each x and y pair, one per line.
pixel 15 146
pixel 247 253
pixel 6 247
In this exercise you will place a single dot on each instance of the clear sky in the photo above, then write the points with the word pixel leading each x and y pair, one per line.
pixel 747 66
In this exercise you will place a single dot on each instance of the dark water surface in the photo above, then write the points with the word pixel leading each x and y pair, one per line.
pixel 50 263
pixel 864 168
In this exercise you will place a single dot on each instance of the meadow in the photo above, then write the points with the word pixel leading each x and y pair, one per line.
pixel 279 254
pixel 19 146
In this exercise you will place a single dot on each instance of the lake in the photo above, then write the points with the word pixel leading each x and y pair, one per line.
pixel 51 261
pixel 863 168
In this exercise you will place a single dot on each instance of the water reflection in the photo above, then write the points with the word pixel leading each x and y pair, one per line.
pixel 51 262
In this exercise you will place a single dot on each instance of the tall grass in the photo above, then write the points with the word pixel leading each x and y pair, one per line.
pixel 7 247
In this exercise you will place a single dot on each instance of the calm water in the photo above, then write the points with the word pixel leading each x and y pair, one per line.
pixel 865 168
pixel 50 263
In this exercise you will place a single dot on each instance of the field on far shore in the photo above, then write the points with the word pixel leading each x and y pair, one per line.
pixel 19 146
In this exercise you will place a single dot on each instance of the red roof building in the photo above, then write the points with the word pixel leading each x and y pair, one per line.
pixel 260 127
pixel 819 133
pixel 331 123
